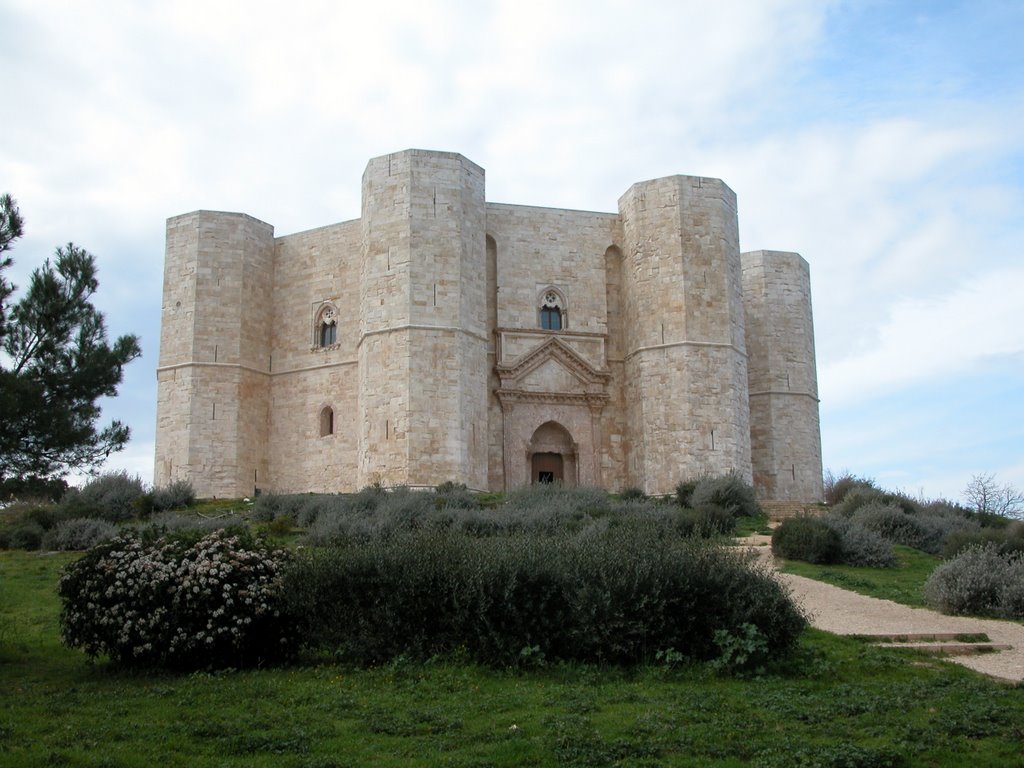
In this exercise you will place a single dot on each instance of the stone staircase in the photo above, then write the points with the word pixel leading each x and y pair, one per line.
pixel 780 510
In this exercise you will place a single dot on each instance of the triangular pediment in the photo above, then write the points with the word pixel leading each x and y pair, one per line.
pixel 552 366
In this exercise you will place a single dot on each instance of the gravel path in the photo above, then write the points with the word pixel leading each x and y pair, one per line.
pixel 847 613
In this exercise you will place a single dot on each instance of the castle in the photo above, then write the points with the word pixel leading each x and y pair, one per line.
pixel 443 337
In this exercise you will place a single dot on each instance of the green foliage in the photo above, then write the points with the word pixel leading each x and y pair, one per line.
pixel 78 533
pixel 705 522
pixel 111 496
pixel 727 491
pixel 742 649
pixel 1008 540
pixel 979 581
pixel 57 363
pixel 614 596
pixel 632 494
pixel 22 534
pixel 834 702
pixel 181 602
pixel 807 538
pixel 684 491
pixel 924 530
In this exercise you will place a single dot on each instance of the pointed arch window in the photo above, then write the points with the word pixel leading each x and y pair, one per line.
pixel 552 310
pixel 325 327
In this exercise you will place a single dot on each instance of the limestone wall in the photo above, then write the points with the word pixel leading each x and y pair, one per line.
pixel 423 354
pixel 785 431
pixel 440 371
pixel 685 362
pixel 213 376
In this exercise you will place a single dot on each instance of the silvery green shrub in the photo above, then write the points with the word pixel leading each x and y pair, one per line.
pixel 860 546
pixel 807 538
pixel 175 522
pixel 79 533
pixel 978 581
pixel 181 602
pixel 727 491
pixel 177 494
pixel 111 496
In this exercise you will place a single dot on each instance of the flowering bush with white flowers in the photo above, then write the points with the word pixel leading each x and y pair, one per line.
pixel 181 602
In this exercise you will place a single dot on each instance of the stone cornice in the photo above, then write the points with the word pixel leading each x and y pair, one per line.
pixel 798 393
pixel 509 396
pixel 719 344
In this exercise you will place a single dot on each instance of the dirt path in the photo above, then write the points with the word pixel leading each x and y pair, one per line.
pixel 847 613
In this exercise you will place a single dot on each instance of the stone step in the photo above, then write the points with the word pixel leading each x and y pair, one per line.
pixel 927 637
pixel 948 643
pixel 949 649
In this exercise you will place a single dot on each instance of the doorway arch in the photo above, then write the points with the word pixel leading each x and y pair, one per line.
pixel 551 455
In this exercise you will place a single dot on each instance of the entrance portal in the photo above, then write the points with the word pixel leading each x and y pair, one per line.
pixel 551 455
pixel 548 468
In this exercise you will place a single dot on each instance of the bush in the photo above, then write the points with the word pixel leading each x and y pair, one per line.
pixel 26 535
pixel 684 491
pixel 705 522
pixel 179 494
pixel 728 491
pixel 632 494
pixel 807 538
pixel 857 497
pixel 179 522
pixel 79 533
pixel 979 581
pixel 859 546
pixel 110 497
pixel 180 602
pixel 921 530
pixel 616 595
pixel 1008 540
pixel 836 488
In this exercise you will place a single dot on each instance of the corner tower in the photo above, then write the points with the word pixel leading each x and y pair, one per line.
pixel 423 336
pixel 784 429
pixel 685 357
pixel 212 378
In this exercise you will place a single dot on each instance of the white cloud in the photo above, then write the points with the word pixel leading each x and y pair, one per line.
pixel 922 339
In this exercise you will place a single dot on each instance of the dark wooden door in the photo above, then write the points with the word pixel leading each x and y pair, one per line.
pixel 548 468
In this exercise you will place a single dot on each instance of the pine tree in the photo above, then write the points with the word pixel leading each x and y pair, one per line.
pixel 55 364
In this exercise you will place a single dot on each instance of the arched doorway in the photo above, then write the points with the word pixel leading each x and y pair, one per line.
pixel 552 455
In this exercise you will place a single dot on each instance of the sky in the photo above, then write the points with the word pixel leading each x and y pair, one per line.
pixel 881 139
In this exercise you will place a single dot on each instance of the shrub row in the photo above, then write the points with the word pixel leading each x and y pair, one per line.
pixel 107 499
pixel 831 539
pixel 545 509
pixel 610 596
pixel 181 602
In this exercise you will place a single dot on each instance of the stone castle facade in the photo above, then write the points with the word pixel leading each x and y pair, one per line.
pixel 443 337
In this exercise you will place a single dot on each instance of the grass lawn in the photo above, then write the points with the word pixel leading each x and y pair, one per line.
pixel 902 584
pixel 839 703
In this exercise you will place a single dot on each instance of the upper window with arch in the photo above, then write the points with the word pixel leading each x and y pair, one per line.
pixel 552 310
pixel 325 327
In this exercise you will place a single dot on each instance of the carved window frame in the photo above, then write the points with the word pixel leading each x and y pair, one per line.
pixel 548 299
pixel 325 326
